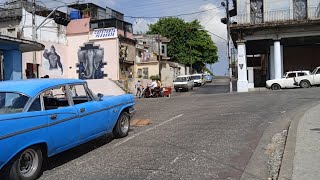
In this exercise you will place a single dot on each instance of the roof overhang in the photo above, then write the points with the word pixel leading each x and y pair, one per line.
pixel 21 44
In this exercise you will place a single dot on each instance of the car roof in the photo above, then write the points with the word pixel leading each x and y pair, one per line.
pixel 184 76
pixel 298 71
pixel 32 87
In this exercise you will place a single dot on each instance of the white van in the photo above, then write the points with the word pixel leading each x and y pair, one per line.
pixel 198 79
pixel 183 83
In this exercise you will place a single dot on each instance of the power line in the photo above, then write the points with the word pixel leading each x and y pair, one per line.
pixel 200 13
pixel 159 10
pixel 154 4
pixel 177 15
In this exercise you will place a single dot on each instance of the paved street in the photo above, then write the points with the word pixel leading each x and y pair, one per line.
pixel 220 84
pixel 197 135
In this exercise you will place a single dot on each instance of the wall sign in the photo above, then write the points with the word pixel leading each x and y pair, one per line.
pixel 103 33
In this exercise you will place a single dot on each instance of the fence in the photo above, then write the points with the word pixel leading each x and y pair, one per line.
pixel 277 16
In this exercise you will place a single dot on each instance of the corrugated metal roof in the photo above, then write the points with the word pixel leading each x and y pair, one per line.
pixel 24 45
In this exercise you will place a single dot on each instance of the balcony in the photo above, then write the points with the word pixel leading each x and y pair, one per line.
pixel 276 17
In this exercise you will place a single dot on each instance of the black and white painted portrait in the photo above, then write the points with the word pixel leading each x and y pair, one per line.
pixel 299 9
pixel 256 9
pixel 318 11
pixel 54 59
pixel 90 58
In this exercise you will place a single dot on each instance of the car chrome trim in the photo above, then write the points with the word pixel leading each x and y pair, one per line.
pixel 107 108
pixel 59 121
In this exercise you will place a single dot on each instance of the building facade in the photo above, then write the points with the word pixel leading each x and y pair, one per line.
pixel 273 37
pixel 88 48
pixel 152 59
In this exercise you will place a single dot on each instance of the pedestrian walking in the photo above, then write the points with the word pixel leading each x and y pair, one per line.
pixel 138 89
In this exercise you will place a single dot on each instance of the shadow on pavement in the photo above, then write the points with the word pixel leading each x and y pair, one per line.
pixel 78 151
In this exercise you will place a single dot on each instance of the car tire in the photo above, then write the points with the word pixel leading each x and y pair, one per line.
pixel 33 168
pixel 275 87
pixel 177 90
pixel 305 84
pixel 121 129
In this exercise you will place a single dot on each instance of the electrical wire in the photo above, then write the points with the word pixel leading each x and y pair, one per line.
pixel 177 15
pixel 154 4
pixel 165 8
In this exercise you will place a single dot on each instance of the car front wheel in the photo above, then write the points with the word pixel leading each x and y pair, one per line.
pixel 27 165
pixel 275 87
pixel 305 84
pixel 122 126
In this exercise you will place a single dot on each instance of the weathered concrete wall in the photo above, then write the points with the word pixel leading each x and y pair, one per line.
pixel 104 86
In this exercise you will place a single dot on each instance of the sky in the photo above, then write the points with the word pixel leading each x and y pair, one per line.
pixel 210 19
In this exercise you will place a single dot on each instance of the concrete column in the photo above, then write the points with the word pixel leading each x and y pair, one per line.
pixel 291 10
pixel 271 63
pixel 277 60
pixel 242 83
pixel 282 71
pixel 250 77
pixel 12 65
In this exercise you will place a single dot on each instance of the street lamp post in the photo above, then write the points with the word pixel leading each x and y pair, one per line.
pixel 228 40
pixel 35 29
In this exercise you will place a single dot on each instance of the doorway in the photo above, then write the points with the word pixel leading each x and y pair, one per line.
pixel 32 71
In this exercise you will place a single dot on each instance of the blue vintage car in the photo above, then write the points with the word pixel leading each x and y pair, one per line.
pixel 42 117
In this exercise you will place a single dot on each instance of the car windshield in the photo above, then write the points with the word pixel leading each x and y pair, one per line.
pixel 181 79
pixel 314 71
pixel 196 77
pixel 12 102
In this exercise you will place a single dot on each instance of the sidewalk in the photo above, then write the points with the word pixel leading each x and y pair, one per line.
pixel 306 156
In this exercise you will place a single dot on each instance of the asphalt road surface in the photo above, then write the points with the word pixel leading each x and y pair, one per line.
pixel 220 84
pixel 194 136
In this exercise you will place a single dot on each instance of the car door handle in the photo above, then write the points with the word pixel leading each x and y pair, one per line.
pixel 82 110
pixel 53 117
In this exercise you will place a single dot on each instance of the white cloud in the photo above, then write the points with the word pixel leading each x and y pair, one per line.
pixel 210 20
pixel 141 25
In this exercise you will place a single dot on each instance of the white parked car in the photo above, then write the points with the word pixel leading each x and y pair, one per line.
pixel 308 80
pixel 287 81
pixel 198 79
pixel 183 83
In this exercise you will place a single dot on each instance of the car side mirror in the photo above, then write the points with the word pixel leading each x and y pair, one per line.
pixel 100 96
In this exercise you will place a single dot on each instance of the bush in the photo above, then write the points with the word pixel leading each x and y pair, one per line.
pixel 155 77
pixel 139 76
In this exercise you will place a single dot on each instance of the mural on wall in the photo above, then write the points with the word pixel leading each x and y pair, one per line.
pixel 90 58
pixel 53 58
pixel 299 9
pixel 256 11
pixel 318 11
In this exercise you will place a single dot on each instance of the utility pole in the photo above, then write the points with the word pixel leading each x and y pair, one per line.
pixel 159 51
pixel 34 38
pixel 228 44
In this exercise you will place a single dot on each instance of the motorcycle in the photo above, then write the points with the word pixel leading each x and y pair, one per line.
pixel 156 92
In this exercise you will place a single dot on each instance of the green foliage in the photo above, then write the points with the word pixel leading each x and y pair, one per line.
pixel 205 69
pixel 139 76
pixel 189 44
pixel 154 77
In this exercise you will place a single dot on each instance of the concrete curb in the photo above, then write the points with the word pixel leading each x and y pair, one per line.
pixel 257 167
pixel 286 169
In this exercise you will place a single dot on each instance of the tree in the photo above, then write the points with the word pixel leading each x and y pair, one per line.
pixel 189 45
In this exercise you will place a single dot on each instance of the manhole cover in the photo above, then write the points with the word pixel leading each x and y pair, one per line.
pixel 140 122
